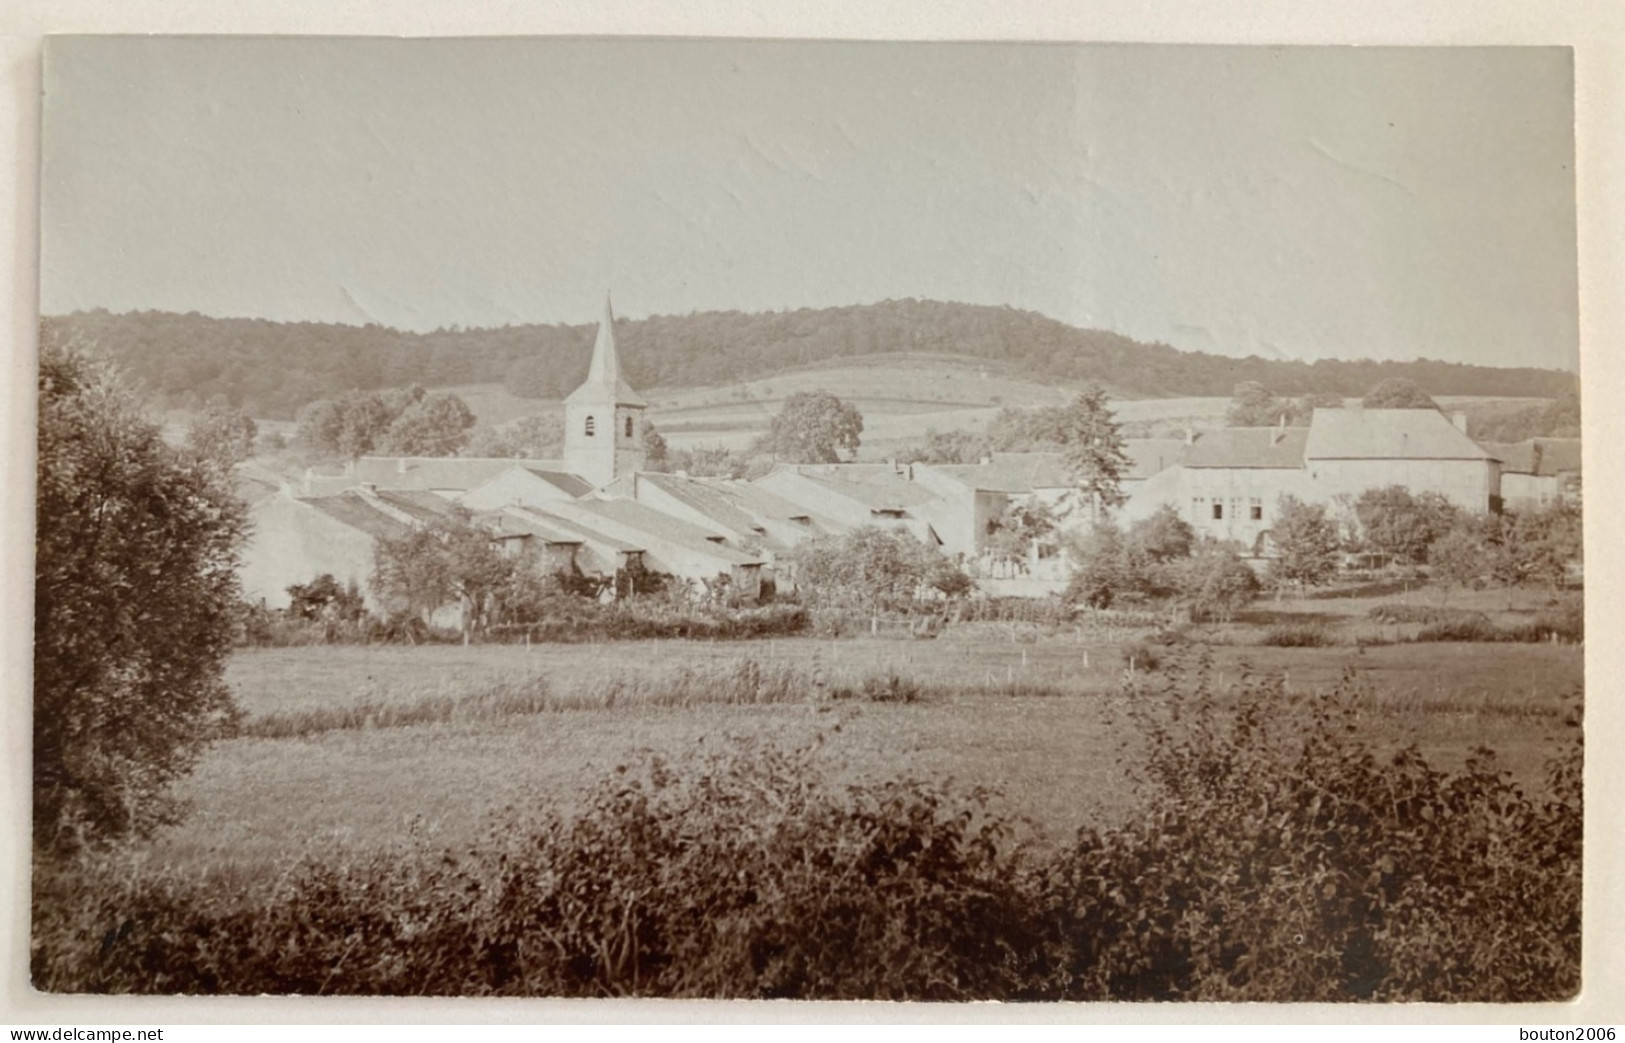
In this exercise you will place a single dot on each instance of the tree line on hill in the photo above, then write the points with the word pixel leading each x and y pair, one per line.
pixel 272 369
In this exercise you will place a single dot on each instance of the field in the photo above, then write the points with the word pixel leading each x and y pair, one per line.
pixel 1037 715
pixel 901 397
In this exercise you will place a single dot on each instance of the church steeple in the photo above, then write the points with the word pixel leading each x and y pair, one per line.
pixel 603 418
pixel 604 382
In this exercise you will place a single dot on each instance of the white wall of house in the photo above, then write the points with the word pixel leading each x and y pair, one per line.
pixel 293 542
pixel 1238 503
pixel 1470 484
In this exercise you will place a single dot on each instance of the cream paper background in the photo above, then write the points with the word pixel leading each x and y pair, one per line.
pixel 1594 28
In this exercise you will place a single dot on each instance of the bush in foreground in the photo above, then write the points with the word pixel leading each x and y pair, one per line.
pixel 1276 858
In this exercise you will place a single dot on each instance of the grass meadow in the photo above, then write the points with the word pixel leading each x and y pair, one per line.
pixel 353 747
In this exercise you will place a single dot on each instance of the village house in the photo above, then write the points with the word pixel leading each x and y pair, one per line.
pixel 295 539
pixel 1351 450
pixel 855 495
pixel 1538 472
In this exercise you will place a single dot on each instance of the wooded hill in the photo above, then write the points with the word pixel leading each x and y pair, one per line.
pixel 270 369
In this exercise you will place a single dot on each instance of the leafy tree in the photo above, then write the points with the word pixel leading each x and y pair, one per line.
pixel 136 553
pixel 814 427
pixel 434 425
pixel 1398 393
pixel 434 565
pixel 1401 525
pixel 532 437
pixel 1306 543
pixel 870 568
pixel 347 427
pixel 1163 536
pixel 222 433
pixel 1253 405
pixel 1536 546
pixel 1092 449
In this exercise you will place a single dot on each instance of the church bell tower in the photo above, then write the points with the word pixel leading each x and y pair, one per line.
pixel 603 418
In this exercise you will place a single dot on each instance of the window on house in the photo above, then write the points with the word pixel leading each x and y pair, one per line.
pixel 1218 510
pixel 629 427
pixel 1255 510
pixel 589 427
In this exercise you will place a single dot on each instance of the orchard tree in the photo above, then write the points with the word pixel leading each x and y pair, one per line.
pixel 434 565
pixel 136 555
pixel 1460 557
pixel 1092 448
pixel 1401 525
pixel 1306 543
pixel 814 427
pixel 1212 582
pixel 1398 393
pixel 872 568
pixel 1162 536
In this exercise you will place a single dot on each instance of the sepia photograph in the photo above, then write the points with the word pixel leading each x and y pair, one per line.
pixel 806 519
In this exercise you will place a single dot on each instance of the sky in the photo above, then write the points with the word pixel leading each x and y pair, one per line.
pixel 1286 202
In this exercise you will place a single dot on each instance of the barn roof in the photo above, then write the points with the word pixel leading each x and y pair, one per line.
pixel 642 518
pixel 1388 434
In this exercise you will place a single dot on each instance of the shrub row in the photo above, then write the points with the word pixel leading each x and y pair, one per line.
pixel 1276 858
pixel 575 620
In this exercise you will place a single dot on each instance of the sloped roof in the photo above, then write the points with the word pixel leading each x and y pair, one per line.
pixel 551 530
pixel 894 494
pixel 1388 434
pixel 1542 457
pixel 424 506
pixel 1149 456
pixel 1515 457
pixel 458 473
pixel 604 382
pixel 760 501
pixel 564 481
pixel 353 510
pixel 703 499
pixel 1557 455
pixel 643 518
pixel 1010 473
pixel 1248 447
